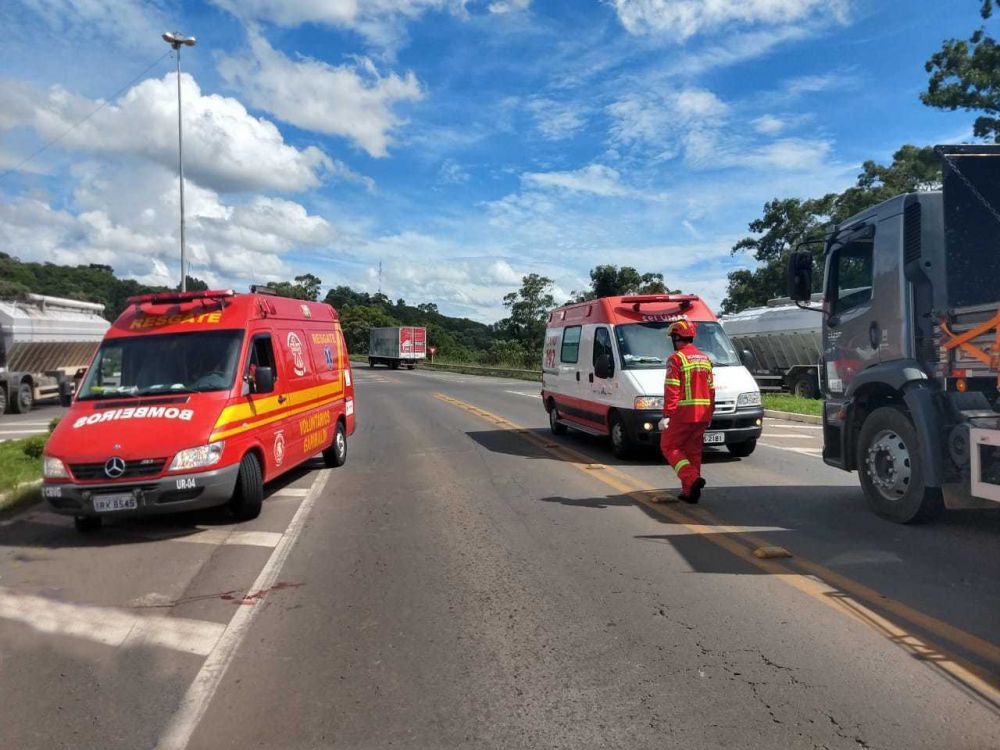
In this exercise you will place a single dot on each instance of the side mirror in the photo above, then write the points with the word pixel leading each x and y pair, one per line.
pixel 65 392
pixel 749 360
pixel 604 368
pixel 263 380
pixel 800 276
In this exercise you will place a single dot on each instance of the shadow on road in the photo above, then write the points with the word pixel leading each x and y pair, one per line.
pixel 60 533
pixel 595 449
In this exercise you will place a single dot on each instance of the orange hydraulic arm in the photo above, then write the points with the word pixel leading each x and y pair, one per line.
pixel 991 359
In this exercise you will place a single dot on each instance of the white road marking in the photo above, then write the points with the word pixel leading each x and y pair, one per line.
pixel 290 492
pixel 21 432
pixel 14 423
pixel 814 452
pixel 108 625
pixel 528 395
pixel 199 694
pixel 223 536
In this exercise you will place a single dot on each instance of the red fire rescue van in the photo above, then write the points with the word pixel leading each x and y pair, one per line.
pixel 604 362
pixel 196 399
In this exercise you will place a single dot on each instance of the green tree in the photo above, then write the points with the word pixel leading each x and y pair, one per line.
pixel 612 281
pixel 305 287
pixel 528 308
pixel 966 75
pixel 788 222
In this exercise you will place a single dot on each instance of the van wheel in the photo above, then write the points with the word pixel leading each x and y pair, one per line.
pixel 336 454
pixel 621 444
pixel 248 496
pixel 890 469
pixel 23 401
pixel 87 524
pixel 557 427
pixel 744 449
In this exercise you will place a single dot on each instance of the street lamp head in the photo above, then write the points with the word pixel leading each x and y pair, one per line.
pixel 175 39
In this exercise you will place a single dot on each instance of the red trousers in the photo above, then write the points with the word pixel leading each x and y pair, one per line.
pixel 682 444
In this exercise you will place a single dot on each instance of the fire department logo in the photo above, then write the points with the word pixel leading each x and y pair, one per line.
pixel 279 447
pixel 298 356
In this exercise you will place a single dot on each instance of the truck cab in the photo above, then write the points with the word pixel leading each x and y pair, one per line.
pixel 910 342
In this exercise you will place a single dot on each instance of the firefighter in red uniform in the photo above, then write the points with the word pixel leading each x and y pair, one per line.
pixel 688 404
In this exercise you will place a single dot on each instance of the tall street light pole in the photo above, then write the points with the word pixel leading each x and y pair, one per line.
pixel 176 41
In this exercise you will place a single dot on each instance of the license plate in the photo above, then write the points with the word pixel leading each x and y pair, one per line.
pixel 118 501
pixel 714 438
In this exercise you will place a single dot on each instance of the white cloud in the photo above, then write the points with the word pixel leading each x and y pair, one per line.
pixel 768 125
pixel 126 217
pixel 595 179
pixel 452 172
pixel 225 147
pixel 683 19
pixel 130 23
pixel 658 120
pixel 381 22
pixel 556 120
pixel 509 6
pixel 355 102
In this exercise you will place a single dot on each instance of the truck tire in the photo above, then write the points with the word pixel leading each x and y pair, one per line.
pixel 890 469
pixel 805 386
pixel 371 363
pixel 621 444
pixel 24 399
pixel 557 427
pixel 394 365
pixel 336 454
pixel 3 400
pixel 248 495
pixel 742 450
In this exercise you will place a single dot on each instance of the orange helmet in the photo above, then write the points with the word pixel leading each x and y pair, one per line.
pixel 683 329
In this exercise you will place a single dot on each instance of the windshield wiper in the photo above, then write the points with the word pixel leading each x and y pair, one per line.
pixel 129 392
pixel 157 390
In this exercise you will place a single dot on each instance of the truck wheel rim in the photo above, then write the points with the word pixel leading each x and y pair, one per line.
pixel 617 435
pixel 889 466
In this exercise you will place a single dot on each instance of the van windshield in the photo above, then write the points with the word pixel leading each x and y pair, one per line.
pixel 166 363
pixel 647 345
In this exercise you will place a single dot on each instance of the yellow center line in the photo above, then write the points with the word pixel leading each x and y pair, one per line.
pixel 844 594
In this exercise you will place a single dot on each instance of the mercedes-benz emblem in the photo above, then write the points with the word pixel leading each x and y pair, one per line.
pixel 114 467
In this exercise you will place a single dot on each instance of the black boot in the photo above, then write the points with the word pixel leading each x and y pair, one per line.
pixel 694 495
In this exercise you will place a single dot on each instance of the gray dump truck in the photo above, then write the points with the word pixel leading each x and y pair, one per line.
pixel 911 342
pixel 784 343
pixel 45 345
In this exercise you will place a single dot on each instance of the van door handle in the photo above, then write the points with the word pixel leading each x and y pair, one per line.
pixel 282 398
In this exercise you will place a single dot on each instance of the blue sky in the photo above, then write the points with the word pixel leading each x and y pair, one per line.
pixel 463 143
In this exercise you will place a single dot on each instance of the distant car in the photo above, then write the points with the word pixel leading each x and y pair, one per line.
pixel 604 362
pixel 196 399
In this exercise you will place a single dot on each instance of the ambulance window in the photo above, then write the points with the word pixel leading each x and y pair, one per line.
pixel 262 354
pixel 602 345
pixel 570 345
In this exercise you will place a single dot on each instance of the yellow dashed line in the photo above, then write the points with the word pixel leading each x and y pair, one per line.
pixel 822 584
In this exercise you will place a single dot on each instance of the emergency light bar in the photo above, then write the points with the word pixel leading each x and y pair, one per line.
pixel 167 297
pixel 684 300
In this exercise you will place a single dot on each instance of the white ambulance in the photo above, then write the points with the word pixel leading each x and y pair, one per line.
pixel 604 362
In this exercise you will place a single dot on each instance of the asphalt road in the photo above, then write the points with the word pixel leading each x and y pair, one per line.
pixel 468 580
pixel 35 422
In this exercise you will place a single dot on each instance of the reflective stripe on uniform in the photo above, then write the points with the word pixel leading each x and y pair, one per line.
pixel 671 381
pixel 694 402
pixel 681 464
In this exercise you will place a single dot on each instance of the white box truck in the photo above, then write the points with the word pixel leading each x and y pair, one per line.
pixel 399 346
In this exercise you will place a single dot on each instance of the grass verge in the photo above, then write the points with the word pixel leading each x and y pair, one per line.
pixel 794 404
pixel 20 467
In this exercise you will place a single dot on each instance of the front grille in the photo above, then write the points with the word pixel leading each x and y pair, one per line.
pixel 725 407
pixel 145 467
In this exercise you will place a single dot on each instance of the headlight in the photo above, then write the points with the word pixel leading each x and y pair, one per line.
pixel 748 399
pixel 649 402
pixel 196 458
pixel 53 468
